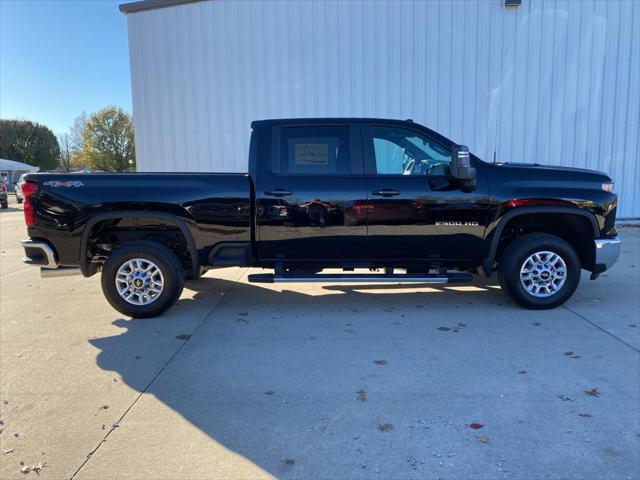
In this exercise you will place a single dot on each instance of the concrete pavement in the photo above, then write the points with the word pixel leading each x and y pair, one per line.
pixel 318 381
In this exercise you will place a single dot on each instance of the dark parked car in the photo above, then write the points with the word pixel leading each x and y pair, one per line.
pixel 386 195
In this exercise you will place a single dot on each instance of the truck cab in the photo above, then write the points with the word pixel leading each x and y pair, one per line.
pixel 363 193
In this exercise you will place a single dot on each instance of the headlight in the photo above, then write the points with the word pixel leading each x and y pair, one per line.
pixel 607 187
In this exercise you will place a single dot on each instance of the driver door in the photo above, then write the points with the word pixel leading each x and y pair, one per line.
pixel 416 210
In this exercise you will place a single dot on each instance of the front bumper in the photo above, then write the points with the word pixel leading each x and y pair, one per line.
pixel 607 253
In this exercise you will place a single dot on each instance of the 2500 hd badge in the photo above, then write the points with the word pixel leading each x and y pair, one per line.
pixel 457 224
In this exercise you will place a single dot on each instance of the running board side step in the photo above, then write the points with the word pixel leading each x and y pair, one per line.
pixel 361 278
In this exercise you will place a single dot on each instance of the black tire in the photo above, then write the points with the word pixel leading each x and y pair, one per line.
pixel 4 204
pixel 167 263
pixel 513 259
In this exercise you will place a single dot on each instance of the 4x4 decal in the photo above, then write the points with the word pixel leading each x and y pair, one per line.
pixel 63 183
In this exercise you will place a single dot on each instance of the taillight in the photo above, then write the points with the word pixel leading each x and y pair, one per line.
pixel 28 190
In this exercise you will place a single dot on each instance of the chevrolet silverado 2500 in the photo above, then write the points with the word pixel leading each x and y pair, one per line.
pixel 389 196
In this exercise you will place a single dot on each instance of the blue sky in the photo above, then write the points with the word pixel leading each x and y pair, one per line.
pixel 60 57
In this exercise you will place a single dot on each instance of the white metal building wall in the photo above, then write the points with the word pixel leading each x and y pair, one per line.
pixel 551 81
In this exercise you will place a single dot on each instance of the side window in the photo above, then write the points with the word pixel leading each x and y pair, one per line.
pixel 315 150
pixel 399 151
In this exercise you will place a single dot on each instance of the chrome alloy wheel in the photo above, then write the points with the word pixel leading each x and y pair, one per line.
pixel 139 281
pixel 543 274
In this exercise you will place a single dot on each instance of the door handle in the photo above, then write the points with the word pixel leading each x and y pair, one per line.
pixel 278 192
pixel 386 192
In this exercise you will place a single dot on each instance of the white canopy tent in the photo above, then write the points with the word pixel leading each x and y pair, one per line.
pixel 10 170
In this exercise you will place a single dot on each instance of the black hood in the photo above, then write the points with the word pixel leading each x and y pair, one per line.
pixel 551 169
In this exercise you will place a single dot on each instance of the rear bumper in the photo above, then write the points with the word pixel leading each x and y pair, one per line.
pixel 607 253
pixel 39 254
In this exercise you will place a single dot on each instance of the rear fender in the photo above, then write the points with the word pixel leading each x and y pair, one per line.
pixel 89 269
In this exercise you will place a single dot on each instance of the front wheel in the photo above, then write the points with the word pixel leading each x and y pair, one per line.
pixel 539 271
pixel 142 279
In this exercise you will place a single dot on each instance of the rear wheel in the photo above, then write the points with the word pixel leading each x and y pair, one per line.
pixel 539 271
pixel 142 279
pixel 4 204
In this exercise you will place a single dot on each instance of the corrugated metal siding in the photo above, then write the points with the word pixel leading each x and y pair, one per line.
pixel 551 81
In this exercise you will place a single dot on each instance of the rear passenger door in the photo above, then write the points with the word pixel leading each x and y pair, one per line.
pixel 311 199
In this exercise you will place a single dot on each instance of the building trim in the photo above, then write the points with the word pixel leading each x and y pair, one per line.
pixel 142 5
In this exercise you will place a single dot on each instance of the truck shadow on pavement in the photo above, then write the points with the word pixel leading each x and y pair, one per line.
pixel 337 382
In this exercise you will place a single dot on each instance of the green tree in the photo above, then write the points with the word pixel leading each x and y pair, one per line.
pixel 109 141
pixel 29 142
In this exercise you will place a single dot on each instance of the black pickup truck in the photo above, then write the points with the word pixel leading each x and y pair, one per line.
pixel 389 196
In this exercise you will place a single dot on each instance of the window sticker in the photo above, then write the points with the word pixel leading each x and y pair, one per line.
pixel 312 154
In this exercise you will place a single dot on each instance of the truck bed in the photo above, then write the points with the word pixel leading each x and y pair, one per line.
pixel 214 207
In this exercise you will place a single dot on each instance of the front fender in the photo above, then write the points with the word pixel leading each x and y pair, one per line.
pixel 496 228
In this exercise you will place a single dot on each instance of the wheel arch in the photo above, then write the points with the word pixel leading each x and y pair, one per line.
pixel 493 240
pixel 88 269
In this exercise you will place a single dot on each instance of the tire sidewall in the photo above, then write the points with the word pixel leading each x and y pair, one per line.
pixel 166 261
pixel 519 251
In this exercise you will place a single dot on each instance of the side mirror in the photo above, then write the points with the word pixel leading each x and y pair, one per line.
pixel 461 168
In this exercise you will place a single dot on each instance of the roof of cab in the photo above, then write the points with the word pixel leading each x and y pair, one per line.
pixel 347 120
pixel 329 120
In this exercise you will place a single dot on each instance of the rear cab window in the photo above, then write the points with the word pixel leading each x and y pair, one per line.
pixel 314 150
